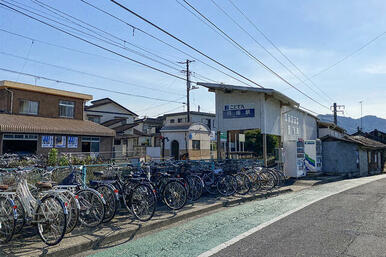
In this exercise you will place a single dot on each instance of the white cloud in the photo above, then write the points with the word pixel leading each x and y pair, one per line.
pixel 375 69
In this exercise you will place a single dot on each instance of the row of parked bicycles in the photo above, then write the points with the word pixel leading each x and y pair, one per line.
pixel 59 199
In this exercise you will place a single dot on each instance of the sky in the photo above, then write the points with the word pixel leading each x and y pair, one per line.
pixel 314 35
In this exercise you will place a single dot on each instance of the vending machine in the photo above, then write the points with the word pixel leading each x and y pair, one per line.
pixel 313 155
pixel 294 158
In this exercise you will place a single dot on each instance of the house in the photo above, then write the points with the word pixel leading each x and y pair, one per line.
pixel 330 129
pixel 241 108
pixel 353 155
pixel 35 119
pixel 186 140
pixel 135 138
pixel 198 117
pixel 109 113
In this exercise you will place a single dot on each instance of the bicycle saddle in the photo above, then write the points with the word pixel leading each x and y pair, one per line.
pixel 43 185
pixel 3 187
pixel 98 173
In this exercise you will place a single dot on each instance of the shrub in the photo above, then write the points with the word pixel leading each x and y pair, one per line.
pixel 53 157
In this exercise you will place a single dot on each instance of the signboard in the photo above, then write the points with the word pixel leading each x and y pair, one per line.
pixel 60 141
pixel 242 137
pixel 223 136
pixel 233 111
pixel 47 141
pixel 72 142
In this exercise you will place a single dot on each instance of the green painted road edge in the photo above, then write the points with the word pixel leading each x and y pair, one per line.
pixel 128 233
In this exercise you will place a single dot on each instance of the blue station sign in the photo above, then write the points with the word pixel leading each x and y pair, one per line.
pixel 232 111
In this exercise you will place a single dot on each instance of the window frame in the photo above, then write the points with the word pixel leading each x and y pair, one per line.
pixel 194 147
pixel 29 101
pixel 66 105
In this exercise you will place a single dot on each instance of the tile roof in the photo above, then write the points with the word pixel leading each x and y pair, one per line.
pixel 359 140
pixel 125 127
pixel 32 124
pixel 104 101
pixel 367 142
pixel 112 122
pixel 45 90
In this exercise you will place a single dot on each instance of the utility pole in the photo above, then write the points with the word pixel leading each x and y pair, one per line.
pixel 361 102
pixel 337 108
pixel 188 88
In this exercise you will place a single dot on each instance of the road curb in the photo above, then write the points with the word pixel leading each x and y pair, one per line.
pixel 132 233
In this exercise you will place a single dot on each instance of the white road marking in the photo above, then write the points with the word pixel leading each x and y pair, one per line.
pixel 234 240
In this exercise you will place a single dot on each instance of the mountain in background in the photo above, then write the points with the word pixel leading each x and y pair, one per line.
pixel 369 123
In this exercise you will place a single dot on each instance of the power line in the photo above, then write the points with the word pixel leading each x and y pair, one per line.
pixel 85 73
pixel 59 12
pixel 184 43
pixel 94 44
pixel 162 41
pixel 252 56
pixel 349 55
pixel 103 39
pixel 277 48
pixel 89 87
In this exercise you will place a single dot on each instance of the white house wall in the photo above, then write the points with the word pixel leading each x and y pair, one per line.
pixel 110 111
pixel 268 123
pixel 194 118
pixel 298 124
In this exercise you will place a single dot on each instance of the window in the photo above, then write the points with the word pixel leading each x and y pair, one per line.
pixel 196 144
pixel 66 109
pixel 180 120
pixel 172 121
pixel 95 119
pixel 90 144
pixel 29 107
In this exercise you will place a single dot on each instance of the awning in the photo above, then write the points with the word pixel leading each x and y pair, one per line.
pixel 31 124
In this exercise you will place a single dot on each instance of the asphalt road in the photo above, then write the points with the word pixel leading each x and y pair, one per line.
pixel 344 218
pixel 351 223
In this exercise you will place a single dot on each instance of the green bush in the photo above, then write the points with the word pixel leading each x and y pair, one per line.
pixel 63 161
pixel 53 157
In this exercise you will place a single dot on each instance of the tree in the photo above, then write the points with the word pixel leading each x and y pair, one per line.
pixel 254 142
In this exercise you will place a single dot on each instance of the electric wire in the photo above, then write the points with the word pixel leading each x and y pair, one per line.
pixel 184 43
pixel 88 87
pixel 252 56
pixel 86 73
pixel 276 47
pixel 103 39
pixel 162 41
pixel 61 14
pixel 96 45
pixel 265 49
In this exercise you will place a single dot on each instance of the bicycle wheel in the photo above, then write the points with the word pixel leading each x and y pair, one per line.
pixel 267 180
pixel 20 221
pixel 111 206
pixel 243 183
pixel 51 219
pixel 209 184
pixel 174 195
pixel 7 219
pixel 196 186
pixel 227 185
pixel 92 207
pixel 143 202
pixel 73 209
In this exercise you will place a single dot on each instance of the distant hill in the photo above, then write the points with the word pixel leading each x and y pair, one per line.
pixel 369 123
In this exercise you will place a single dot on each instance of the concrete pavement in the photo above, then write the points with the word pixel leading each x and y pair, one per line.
pixel 352 223
pixel 204 234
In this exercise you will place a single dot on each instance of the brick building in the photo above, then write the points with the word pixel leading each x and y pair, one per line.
pixel 35 119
